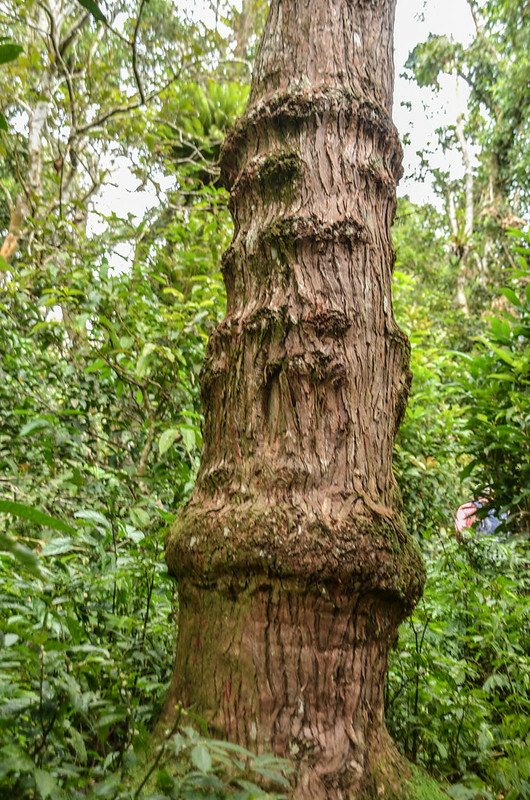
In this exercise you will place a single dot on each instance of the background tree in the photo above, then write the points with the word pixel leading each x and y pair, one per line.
pixel 493 194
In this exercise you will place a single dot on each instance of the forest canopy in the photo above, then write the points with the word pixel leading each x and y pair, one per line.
pixel 105 315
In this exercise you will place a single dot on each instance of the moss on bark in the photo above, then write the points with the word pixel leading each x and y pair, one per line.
pixel 402 780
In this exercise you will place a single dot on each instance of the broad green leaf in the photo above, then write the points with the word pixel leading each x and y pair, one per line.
pixel 466 472
pixel 78 743
pixel 201 758
pixel 90 648
pixel 511 296
pixel 140 516
pixel 189 438
pixel 9 51
pixel 500 328
pixel 496 681
pixel 504 354
pixel 93 516
pixel 134 535
pixel 34 425
pixel 96 365
pixel 94 9
pixel 58 546
pixel 33 514
pixel 503 376
pixel 108 788
pixel 12 708
pixel 167 438
pixel 25 557
pixel 110 719
pixel 46 783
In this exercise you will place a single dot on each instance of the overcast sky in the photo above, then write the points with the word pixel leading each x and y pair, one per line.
pixel 415 19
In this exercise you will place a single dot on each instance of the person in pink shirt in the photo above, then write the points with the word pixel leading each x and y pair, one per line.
pixel 466 516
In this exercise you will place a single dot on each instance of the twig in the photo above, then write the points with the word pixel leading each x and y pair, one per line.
pixel 128 108
pixel 135 52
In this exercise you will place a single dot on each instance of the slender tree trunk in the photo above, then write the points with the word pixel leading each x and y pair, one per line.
pixel 29 196
pixel 462 240
pixel 293 563
pixel 244 27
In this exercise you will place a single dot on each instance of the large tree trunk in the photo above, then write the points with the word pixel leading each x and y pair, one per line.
pixel 293 563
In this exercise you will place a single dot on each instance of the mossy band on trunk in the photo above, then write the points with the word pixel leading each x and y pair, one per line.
pixel 259 539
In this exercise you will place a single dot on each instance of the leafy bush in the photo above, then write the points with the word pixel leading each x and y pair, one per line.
pixel 86 651
pixel 497 400
pixel 86 633
pixel 428 443
pixel 189 766
pixel 458 694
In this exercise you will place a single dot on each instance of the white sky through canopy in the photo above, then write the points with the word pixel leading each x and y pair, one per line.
pixel 429 110
pixel 415 20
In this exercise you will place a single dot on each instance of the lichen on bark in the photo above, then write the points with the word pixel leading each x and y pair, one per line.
pixel 294 566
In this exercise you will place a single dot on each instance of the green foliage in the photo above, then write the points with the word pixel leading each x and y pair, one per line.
pixel 428 443
pixel 189 766
pixel 496 68
pixel 101 426
pixel 459 681
pixel 99 446
pixel 427 447
pixel 85 659
pixel 9 51
pixel 86 650
pixel 428 59
pixel 497 400
pixel 204 113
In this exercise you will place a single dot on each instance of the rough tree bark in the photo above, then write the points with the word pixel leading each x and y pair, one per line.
pixel 293 563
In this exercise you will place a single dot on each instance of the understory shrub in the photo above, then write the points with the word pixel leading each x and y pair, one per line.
pixel 86 637
pixel 458 692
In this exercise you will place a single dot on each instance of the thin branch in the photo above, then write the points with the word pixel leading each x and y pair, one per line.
pixel 243 61
pixel 479 27
pixel 128 108
pixel 161 752
pixel 451 213
pixel 7 196
pixel 476 20
pixel 134 45
pixel 72 33
pixel 116 33
pixel 26 23
pixel 67 76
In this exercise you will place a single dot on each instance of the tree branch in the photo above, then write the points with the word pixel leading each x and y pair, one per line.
pixel 134 45
pixel 468 172
pixel 128 108
pixel 72 33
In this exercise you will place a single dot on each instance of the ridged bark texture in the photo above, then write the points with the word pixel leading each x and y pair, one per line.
pixel 294 566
